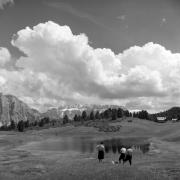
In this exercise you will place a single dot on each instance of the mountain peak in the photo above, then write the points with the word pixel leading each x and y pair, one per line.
pixel 11 108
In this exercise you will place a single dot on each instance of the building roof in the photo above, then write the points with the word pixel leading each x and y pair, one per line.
pixel 161 118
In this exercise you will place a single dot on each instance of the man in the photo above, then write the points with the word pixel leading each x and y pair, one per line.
pixel 122 154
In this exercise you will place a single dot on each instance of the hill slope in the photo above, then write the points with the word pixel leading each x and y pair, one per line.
pixel 174 112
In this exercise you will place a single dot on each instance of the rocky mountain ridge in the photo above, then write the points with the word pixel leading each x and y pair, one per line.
pixel 11 108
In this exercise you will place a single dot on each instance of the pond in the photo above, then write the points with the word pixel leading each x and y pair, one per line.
pixel 88 144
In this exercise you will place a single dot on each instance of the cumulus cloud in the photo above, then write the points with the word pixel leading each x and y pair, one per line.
pixel 79 67
pixel 61 67
pixel 5 2
pixel 5 56
pixel 66 57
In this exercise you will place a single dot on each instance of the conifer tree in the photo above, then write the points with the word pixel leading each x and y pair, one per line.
pixel 12 125
pixel 84 116
pixel 20 126
pixel 91 115
pixel 119 113
pixel 97 115
pixel 75 118
pixel 65 119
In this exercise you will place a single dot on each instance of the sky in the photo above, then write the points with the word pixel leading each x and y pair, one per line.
pixel 58 52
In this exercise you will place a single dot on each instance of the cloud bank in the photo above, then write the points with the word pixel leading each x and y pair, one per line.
pixel 61 67
pixel 5 56
pixel 5 2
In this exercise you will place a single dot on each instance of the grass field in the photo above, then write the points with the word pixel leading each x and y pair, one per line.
pixel 18 161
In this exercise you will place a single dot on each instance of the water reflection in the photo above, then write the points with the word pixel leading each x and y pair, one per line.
pixel 115 145
pixel 88 145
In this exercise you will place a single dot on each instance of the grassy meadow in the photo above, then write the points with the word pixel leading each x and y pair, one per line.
pixel 18 161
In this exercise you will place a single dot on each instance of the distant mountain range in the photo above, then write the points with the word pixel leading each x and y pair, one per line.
pixel 11 108
pixel 71 110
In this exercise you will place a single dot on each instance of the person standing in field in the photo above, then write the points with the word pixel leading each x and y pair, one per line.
pixel 129 155
pixel 100 147
pixel 122 154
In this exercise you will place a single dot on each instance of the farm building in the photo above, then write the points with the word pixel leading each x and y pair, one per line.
pixel 161 119
pixel 174 119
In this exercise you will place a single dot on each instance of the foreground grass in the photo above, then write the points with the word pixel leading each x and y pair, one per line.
pixel 77 167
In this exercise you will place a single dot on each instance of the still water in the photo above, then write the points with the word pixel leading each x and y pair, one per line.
pixel 88 145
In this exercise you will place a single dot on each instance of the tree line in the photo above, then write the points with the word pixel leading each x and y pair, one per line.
pixel 110 114
pixel 141 114
pixel 22 125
